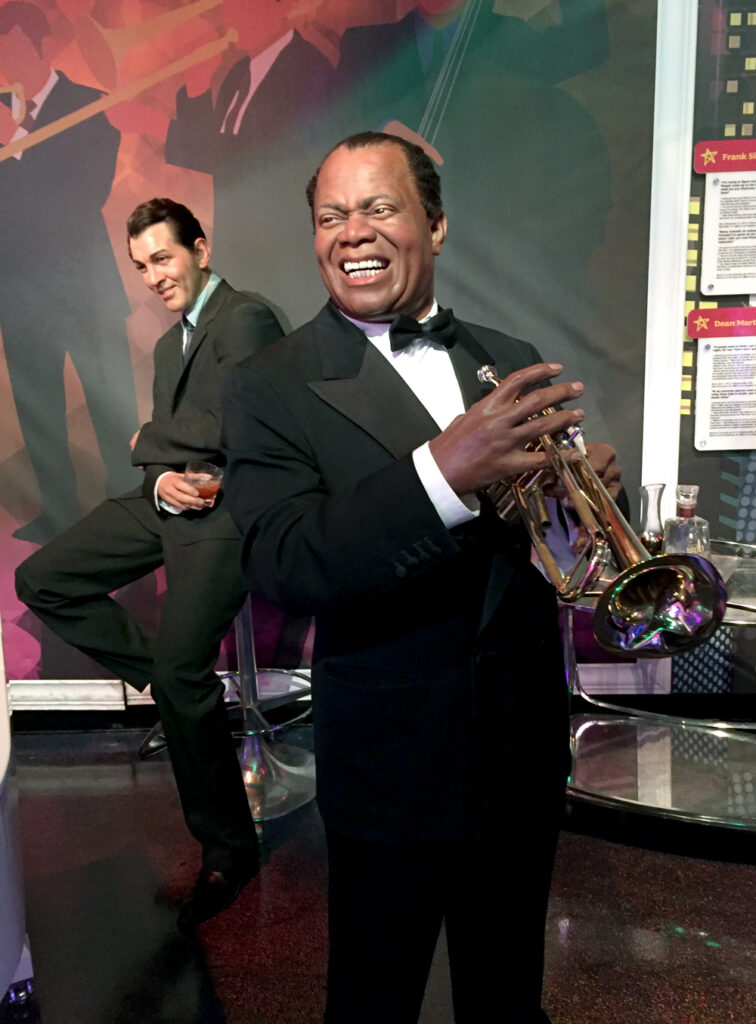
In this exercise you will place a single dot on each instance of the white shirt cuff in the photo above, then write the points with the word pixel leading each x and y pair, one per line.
pixel 452 509
pixel 159 503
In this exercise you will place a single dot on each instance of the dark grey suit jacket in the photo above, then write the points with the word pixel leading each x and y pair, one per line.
pixel 186 417
pixel 436 651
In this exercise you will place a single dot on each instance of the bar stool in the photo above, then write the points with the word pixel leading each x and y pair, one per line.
pixel 278 777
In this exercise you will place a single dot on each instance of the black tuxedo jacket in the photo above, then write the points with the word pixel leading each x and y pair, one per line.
pixel 186 417
pixel 438 687
pixel 52 214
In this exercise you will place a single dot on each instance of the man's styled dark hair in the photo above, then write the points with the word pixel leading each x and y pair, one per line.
pixel 184 225
pixel 424 174
pixel 27 17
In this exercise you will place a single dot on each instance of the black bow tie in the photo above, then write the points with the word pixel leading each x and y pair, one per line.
pixel 440 328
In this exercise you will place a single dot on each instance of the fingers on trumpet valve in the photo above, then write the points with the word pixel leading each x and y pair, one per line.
pixel 519 394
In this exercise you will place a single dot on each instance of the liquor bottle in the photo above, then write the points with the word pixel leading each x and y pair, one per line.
pixel 686 533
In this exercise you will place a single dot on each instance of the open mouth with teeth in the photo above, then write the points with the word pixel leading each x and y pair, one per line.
pixel 357 270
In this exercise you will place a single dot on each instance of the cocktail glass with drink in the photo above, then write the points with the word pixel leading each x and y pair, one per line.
pixel 205 477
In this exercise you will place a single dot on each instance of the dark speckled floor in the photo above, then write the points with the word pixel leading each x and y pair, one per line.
pixel 647 925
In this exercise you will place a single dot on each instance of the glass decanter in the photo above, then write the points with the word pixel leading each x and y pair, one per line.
pixel 686 533
pixel 652 532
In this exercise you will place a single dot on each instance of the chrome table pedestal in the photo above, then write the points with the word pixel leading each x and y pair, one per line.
pixel 278 777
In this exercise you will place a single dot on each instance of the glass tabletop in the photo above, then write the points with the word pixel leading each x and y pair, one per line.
pixel 736 563
pixel 676 770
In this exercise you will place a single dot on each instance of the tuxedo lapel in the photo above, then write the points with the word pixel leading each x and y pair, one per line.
pixel 467 357
pixel 57 103
pixel 468 354
pixel 360 384
pixel 61 98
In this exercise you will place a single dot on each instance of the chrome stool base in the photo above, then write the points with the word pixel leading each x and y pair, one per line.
pixel 278 777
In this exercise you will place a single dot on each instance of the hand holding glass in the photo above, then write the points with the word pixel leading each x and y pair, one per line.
pixel 205 478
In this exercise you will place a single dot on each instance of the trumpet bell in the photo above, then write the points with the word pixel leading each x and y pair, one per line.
pixel 660 607
pixel 649 607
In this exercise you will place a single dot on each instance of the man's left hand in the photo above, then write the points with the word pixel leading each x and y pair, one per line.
pixel 134 439
pixel 603 460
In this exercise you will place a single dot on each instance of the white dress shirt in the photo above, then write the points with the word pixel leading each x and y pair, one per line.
pixel 38 100
pixel 259 66
pixel 426 367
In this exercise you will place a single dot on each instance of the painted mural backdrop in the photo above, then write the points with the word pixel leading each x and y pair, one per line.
pixel 538 113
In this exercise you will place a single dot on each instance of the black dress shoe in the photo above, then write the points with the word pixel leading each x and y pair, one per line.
pixel 153 743
pixel 213 891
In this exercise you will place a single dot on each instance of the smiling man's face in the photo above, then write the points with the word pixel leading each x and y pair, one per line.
pixel 176 274
pixel 374 241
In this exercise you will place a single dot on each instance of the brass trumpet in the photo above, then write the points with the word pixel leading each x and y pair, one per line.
pixel 646 607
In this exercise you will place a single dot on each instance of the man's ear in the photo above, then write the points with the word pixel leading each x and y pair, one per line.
pixel 202 252
pixel 438 228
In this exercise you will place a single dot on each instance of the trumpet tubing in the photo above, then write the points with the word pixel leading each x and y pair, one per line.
pixel 104 48
pixel 646 607
pixel 127 92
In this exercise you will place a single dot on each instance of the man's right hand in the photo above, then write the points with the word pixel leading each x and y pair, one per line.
pixel 487 443
pixel 175 491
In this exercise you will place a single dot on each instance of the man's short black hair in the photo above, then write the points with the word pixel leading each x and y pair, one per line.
pixel 424 174
pixel 29 18
pixel 185 226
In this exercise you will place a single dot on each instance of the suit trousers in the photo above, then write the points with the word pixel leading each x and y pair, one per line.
pixel 67 584
pixel 35 356
pixel 387 902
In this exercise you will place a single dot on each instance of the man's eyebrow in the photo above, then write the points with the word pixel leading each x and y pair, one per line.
pixel 152 256
pixel 369 200
pixel 158 252
pixel 363 204
pixel 332 206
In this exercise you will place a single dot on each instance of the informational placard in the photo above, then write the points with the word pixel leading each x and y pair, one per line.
pixel 725 378
pixel 722 322
pixel 728 254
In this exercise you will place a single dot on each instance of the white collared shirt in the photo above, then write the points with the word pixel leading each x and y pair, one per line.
pixel 39 98
pixel 259 66
pixel 426 368
pixel 193 313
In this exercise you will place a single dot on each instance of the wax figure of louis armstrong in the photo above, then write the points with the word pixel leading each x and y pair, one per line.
pixel 438 689
pixel 67 582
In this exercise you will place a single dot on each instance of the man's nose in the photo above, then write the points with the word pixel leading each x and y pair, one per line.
pixel 357 228
pixel 154 274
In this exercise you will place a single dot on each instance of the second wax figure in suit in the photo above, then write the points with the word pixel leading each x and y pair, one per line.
pixel 438 690
pixel 67 582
